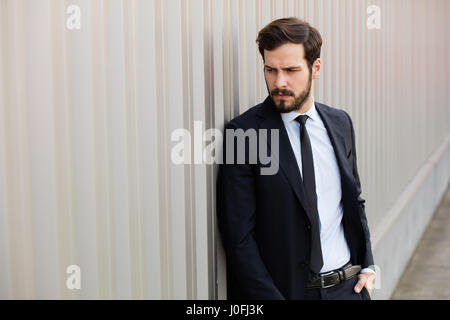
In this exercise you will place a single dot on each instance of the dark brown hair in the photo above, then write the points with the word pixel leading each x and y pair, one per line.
pixel 291 30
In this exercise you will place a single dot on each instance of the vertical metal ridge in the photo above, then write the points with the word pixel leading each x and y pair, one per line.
pixel 234 20
pixel 70 227
pixel 161 63
pixel 133 143
pixel 175 120
pixel 21 255
pixel 149 123
pixel 64 232
pixel 188 123
pixel 104 218
pixel 5 272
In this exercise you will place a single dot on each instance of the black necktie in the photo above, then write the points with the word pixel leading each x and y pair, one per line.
pixel 309 185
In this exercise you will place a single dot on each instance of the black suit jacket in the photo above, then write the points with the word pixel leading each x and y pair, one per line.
pixel 263 219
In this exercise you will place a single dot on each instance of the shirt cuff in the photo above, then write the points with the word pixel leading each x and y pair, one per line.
pixel 368 270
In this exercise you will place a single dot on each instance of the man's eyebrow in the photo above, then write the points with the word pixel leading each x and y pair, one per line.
pixel 285 68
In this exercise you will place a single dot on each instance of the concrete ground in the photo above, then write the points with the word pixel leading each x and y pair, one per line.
pixel 427 275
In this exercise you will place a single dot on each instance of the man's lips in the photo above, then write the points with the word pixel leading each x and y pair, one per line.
pixel 281 96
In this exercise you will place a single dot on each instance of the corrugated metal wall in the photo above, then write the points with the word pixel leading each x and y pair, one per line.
pixel 86 118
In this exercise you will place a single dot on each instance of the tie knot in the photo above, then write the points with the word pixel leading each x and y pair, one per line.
pixel 302 119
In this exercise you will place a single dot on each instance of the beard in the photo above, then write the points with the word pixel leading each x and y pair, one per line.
pixel 285 107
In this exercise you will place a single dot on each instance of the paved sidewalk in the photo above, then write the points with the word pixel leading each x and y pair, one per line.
pixel 427 275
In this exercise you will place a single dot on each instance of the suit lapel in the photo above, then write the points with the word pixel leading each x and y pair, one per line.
pixel 286 158
pixel 335 128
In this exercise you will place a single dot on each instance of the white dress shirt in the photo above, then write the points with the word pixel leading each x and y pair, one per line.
pixel 335 250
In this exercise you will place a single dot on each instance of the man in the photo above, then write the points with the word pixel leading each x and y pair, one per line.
pixel 302 232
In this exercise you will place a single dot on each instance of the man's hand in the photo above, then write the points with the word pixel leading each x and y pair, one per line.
pixel 367 280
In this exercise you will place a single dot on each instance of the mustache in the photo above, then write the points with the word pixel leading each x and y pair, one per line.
pixel 283 92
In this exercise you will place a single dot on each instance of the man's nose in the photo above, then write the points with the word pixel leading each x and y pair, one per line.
pixel 280 81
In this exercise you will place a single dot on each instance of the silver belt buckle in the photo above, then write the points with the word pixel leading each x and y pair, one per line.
pixel 322 280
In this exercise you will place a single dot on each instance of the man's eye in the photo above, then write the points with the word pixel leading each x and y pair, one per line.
pixel 269 70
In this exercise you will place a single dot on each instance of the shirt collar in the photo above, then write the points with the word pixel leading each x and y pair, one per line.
pixel 311 113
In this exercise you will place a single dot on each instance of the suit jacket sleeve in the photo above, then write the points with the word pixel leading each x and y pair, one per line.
pixel 237 215
pixel 368 259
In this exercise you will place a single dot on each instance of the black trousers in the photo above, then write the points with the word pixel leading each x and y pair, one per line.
pixel 342 291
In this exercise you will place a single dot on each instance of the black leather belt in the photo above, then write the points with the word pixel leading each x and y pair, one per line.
pixel 332 278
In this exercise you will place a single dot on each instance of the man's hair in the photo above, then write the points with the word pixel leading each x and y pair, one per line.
pixel 291 30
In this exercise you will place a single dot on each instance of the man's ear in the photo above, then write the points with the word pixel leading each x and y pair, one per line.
pixel 316 68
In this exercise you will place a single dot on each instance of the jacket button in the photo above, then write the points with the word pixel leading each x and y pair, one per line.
pixel 308 227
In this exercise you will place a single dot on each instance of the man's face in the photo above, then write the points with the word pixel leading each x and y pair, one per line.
pixel 288 77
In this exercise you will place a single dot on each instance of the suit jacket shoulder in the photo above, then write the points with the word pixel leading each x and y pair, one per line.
pixel 250 118
pixel 340 114
pixel 339 119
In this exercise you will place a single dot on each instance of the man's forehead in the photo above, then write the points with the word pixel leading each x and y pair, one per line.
pixel 287 54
